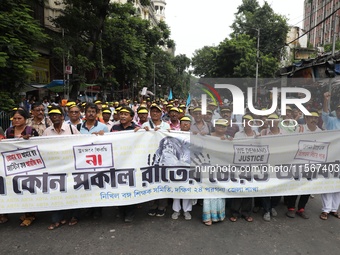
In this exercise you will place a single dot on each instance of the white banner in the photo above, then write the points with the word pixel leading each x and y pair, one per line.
pixel 79 171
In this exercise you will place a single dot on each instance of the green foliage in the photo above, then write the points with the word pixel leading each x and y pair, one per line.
pixel 236 56
pixel 204 61
pixel 145 2
pixel 19 35
pixel 329 47
pixel 6 101
pixel 273 27
pixel 83 24
pixel 109 39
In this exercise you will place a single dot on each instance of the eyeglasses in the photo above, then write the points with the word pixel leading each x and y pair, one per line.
pixel 74 112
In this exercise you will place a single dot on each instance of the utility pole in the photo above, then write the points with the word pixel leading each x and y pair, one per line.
pixel 332 64
pixel 154 80
pixel 334 34
pixel 257 63
pixel 63 34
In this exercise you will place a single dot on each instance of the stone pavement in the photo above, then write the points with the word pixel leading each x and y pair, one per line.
pixel 162 235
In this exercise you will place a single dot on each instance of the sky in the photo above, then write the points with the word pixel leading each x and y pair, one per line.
pixel 198 23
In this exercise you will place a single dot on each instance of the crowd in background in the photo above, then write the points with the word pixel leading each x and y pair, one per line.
pixel 45 118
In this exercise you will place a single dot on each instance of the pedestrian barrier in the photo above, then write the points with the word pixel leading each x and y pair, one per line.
pixel 4 120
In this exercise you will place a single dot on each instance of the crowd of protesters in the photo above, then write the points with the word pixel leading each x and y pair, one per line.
pixel 75 117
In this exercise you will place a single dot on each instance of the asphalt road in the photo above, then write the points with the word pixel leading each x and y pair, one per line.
pixel 162 235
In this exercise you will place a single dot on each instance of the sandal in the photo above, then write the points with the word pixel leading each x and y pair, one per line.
pixel 249 219
pixel 3 218
pixel 324 216
pixel 233 219
pixel 56 225
pixel 27 221
pixel 208 223
pixel 335 214
pixel 73 221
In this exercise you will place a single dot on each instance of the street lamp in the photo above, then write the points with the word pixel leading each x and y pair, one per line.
pixel 257 62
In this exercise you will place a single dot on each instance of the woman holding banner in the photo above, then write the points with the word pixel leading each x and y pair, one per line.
pixel 214 208
pixel 19 129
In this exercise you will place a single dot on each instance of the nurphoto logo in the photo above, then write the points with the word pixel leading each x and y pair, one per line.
pixel 239 100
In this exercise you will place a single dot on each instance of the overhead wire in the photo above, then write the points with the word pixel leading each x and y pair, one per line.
pixel 326 18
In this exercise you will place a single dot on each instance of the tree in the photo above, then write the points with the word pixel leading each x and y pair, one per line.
pixel 273 27
pixel 204 61
pixel 181 64
pixel 236 56
pixel 19 36
pixel 111 41
pixel 83 24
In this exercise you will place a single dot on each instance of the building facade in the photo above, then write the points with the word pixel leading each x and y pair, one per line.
pixel 155 12
pixel 318 21
pixel 44 12
pixel 298 49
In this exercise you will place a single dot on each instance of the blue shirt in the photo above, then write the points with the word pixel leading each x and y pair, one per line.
pixel 98 126
pixel 331 123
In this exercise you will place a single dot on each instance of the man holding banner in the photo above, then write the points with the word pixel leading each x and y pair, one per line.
pixel 310 126
pixel 158 207
pixel 330 201
pixel 126 115
pixel 59 127
pixel 92 126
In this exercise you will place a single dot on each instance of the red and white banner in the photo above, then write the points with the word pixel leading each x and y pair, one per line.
pixel 79 171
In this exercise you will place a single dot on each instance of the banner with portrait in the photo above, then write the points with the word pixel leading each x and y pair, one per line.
pixel 122 168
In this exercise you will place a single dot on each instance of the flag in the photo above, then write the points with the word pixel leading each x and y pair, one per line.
pixel 188 100
pixel 170 95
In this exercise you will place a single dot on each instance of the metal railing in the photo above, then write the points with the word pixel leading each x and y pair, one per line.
pixel 4 120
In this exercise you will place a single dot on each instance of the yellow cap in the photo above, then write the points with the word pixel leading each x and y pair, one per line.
pixel 68 104
pixel 213 104
pixel 248 117
pixel 222 122
pixel 273 116
pixel 174 109
pixel 155 106
pixel 55 111
pixel 107 111
pixel 124 110
pixel 315 114
pixel 226 109
pixel 73 105
pixel 185 118
pixel 98 102
pixel 197 109
pixel 143 110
